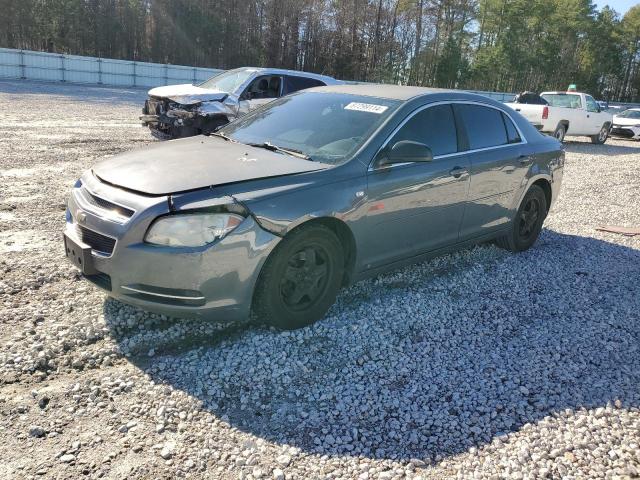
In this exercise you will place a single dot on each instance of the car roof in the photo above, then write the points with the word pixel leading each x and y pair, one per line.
pixel 297 73
pixel 392 92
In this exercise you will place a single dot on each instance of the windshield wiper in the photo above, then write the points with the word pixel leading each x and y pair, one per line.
pixel 274 148
pixel 223 135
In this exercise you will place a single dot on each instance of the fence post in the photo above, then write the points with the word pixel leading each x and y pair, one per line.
pixel 166 74
pixel 23 67
pixel 99 71
pixel 194 75
pixel 134 73
pixel 62 66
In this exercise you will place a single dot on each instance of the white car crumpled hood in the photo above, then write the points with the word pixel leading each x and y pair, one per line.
pixel 187 94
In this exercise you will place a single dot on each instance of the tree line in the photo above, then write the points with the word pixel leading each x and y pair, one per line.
pixel 496 45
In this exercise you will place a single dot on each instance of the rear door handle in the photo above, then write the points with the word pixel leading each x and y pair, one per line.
pixel 459 172
pixel 524 159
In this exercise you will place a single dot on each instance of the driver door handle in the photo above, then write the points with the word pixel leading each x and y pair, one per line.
pixel 459 172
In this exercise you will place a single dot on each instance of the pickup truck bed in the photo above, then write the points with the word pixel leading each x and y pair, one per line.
pixel 567 113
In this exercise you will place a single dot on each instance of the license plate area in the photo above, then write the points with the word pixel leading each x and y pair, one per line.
pixel 79 255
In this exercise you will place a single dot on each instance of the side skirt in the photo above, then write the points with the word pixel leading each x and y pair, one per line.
pixel 428 255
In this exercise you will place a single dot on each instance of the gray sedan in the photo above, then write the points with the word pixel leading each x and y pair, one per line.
pixel 279 209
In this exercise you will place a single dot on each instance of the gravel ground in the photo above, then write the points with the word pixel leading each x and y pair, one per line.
pixel 477 364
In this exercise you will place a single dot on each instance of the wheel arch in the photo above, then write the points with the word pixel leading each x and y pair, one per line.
pixel 544 181
pixel 347 240
pixel 546 188
pixel 341 230
pixel 565 124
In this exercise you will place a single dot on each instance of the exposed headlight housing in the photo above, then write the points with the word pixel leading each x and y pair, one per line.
pixel 191 229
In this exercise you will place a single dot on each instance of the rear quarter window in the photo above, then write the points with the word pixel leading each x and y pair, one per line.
pixel 485 126
pixel 512 132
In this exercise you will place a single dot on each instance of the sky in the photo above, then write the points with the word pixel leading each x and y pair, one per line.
pixel 620 6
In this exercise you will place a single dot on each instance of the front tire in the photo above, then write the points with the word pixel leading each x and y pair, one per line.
pixel 527 224
pixel 602 135
pixel 300 279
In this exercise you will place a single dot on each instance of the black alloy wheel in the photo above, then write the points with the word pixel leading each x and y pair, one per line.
pixel 300 279
pixel 527 223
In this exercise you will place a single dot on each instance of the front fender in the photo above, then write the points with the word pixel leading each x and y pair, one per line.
pixel 209 109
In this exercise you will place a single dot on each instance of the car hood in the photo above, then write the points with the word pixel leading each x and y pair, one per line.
pixel 626 121
pixel 187 94
pixel 196 162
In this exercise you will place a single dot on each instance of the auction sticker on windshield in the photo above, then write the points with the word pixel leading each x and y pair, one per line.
pixel 366 107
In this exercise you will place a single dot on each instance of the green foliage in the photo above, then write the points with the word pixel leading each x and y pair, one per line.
pixel 505 45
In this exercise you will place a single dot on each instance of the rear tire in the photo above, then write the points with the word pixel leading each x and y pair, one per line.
pixel 300 279
pixel 560 132
pixel 527 224
pixel 601 136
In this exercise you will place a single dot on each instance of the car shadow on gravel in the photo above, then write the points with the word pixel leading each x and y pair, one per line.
pixel 487 344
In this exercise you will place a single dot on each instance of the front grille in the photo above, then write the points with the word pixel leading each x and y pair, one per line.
pixel 101 203
pixel 97 241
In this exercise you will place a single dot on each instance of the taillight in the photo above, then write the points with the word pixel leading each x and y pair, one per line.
pixel 545 113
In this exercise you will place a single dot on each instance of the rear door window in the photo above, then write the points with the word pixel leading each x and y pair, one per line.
pixel 294 83
pixel 434 126
pixel 485 126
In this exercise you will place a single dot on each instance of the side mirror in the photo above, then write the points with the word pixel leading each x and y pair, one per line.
pixel 406 151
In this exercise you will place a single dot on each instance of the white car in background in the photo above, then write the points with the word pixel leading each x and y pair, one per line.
pixel 627 124
pixel 176 111
pixel 568 113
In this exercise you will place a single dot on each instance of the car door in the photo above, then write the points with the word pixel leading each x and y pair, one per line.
pixel 416 207
pixel 499 163
pixel 595 118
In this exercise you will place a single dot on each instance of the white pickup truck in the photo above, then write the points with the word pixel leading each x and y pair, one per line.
pixel 568 113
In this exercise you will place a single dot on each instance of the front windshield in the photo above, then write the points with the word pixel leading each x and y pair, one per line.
pixel 228 81
pixel 630 114
pixel 328 127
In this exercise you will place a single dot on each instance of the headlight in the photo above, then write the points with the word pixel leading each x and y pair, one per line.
pixel 191 229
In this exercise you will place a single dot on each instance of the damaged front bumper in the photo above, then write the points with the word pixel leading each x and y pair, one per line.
pixel 214 282
pixel 167 119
